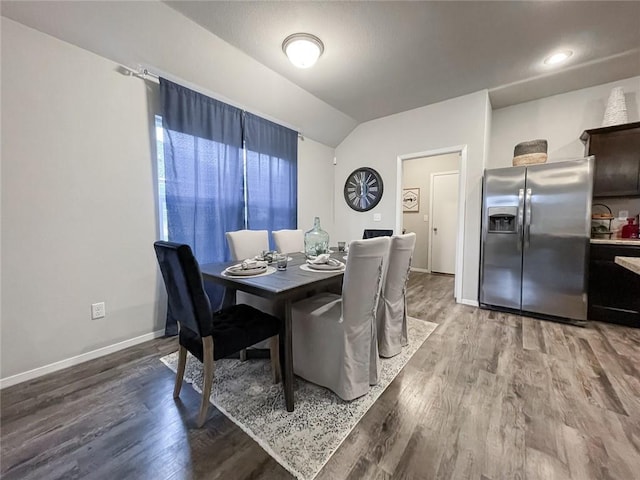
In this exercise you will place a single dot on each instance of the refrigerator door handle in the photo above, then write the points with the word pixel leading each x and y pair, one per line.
pixel 527 218
pixel 520 217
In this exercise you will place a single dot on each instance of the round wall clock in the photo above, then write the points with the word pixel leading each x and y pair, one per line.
pixel 363 189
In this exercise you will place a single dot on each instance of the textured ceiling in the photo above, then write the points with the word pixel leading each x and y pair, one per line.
pixel 386 57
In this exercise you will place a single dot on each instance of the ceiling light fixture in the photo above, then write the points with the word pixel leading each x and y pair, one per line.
pixel 303 49
pixel 558 57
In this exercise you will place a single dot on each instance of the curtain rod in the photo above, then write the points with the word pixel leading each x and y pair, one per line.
pixel 145 74
pixel 140 73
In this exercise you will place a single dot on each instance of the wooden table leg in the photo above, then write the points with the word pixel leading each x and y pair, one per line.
pixel 287 365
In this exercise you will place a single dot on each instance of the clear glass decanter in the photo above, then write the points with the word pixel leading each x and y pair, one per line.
pixel 316 240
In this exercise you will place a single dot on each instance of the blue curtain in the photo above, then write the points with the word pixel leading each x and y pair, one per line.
pixel 203 175
pixel 272 175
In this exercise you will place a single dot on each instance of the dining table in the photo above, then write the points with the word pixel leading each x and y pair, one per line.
pixel 285 286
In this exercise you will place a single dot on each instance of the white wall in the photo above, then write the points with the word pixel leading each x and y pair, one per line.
pixel 315 186
pixel 559 119
pixel 79 202
pixel 78 211
pixel 152 34
pixel 377 144
pixel 416 173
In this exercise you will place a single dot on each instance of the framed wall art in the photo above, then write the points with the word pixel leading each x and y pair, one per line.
pixel 410 200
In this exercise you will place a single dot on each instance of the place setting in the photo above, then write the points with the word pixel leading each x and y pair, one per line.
pixel 323 263
pixel 249 268
pixel 271 256
pixel 259 265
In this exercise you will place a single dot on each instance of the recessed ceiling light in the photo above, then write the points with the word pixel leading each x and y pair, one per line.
pixel 303 49
pixel 558 57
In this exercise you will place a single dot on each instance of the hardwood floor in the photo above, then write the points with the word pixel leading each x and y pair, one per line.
pixel 488 396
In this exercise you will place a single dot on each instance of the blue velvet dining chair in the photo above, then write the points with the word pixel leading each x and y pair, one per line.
pixel 208 335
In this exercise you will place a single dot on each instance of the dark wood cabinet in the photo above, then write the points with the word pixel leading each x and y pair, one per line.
pixel 614 291
pixel 617 152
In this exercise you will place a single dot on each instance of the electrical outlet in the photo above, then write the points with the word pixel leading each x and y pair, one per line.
pixel 377 217
pixel 97 310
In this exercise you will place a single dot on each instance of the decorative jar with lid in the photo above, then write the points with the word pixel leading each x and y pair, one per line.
pixel 316 240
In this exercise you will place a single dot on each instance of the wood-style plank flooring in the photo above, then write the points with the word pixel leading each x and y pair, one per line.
pixel 488 396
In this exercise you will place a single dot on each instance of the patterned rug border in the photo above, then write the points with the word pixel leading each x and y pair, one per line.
pixel 169 362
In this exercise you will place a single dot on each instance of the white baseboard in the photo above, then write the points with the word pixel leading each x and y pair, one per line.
pixel 69 362
pixel 423 270
pixel 472 303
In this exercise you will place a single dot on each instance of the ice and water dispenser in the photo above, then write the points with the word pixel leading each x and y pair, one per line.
pixel 502 219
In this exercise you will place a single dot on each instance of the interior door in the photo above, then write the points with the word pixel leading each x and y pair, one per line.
pixel 444 222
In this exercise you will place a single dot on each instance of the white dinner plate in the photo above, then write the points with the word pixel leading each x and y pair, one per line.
pixel 307 268
pixel 331 250
pixel 238 271
pixel 324 266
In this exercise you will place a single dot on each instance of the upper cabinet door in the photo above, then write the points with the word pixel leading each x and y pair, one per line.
pixel 617 152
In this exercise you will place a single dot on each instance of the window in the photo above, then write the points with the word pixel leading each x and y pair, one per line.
pixel 270 183
pixel 221 169
pixel 162 195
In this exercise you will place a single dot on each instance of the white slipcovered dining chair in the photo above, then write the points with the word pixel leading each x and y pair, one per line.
pixel 334 336
pixel 245 244
pixel 392 307
pixel 288 241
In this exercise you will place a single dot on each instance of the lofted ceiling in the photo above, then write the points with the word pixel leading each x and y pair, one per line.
pixel 382 58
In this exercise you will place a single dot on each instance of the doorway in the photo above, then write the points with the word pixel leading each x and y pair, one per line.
pixel 414 208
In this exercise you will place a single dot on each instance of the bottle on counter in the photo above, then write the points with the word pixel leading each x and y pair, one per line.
pixel 630 230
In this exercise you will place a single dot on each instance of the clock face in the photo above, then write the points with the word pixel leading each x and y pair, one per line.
pixel 363 189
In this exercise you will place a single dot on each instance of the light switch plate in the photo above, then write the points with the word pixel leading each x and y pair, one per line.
pixel 623 214
pixel 377 217
pixel 426 218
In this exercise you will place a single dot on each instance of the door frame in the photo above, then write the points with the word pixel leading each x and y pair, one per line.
pixel 429 254
pixel 462 195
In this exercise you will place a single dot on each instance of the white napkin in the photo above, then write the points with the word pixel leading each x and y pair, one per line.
pixel 250 264
pixel 267 257
pixel 324 258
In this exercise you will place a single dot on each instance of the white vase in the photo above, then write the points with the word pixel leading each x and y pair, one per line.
pixel 616 111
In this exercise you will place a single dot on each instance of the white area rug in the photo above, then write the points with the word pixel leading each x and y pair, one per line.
pixel 301 441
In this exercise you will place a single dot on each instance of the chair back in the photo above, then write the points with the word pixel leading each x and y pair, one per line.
pixel 400 254
pixel 363 280
pixel 288 241
pixel 245 244
pixel 188 302
pixel 391 317
pixel 373 233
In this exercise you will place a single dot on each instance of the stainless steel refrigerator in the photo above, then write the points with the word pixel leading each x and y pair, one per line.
pixel 536 224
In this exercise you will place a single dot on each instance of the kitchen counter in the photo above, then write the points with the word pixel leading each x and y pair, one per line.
pixel 630 263
pixel 616 241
